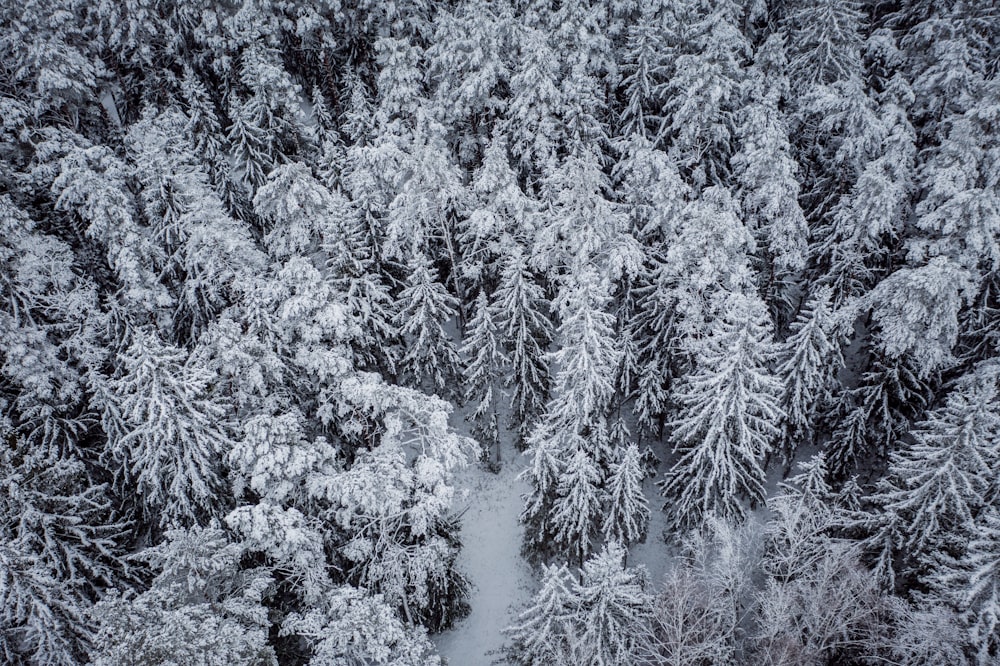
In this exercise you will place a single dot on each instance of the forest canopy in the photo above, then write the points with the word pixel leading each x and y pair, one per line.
pixel 733 261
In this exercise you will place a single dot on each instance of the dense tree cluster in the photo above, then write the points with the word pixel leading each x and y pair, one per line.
pixel 253 251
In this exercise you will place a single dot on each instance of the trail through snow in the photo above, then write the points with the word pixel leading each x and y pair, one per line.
pixel 501 580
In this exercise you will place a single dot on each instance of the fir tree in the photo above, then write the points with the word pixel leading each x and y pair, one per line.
pixel 810 359
pixel 540 634
pixel 484 373
pixel 524 326
pixel 612 606
pixel 728 418
pixel 971 583
pixel 627 514
pixel 940 481
pixel 424 309
pixel 165 434
pixel 576 508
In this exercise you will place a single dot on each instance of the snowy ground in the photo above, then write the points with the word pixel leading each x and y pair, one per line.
pixel 502 581
pixel 491 543
pixel 654 553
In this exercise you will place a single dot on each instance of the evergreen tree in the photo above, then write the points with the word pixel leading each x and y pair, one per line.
pixel 826 39
pixel 495 228
pixel 644 68
pixel 165 433
pixel 871 417
pixel 766 172
pixel 200 607
pixel 60 547
pixel 540 634
pixel 971 583
pixel 576 508
pixel 424 309
pixel 524 327
pixel 531 121
pixel 940 481
pixel 587 356
pixel 612 606
pixel 728 418
pixel 627 514
pixel 484 374
pixel 704 92
pixel 353 626
pixel 810 360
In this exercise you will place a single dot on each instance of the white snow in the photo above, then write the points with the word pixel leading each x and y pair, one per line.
pixel 654 553
pixel 501 580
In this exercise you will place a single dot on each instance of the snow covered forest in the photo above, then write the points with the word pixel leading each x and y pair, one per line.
pixel 533 332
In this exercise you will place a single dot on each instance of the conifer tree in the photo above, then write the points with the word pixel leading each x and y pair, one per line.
pixel 704 91
pixel 645 69
pixel 576 508
pixel 810 359
pixel 627 510
pixel 424 309
pixel 826 39
pixel 166 434
pixel 531 121
pixel 766 171
pixel 200 607
pixel 728 417
pixel 971 583
pixel 939 482
pixel 540 634
pixel 524 326
pixel 612 607
pixel 60 547
pixel 484 373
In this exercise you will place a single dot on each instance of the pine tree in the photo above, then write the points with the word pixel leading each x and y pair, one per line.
pixel 855 248
pixel 204 250
pixel 60 547
pixel 766 172
pixel 971 583
pixel 531 121
pixel 576 419
pixel 827 41
pixel 627 510
pixel 871 417
pixel 612 607
pixel 576 509
pixel 424 309
pixel 298 209
pixel 810 359
pixel 540 634
pixel 543 476
pixel 201 607
pixel 353 626
pixel 917 312
pixel 500 212
pixel 524 326
pixel 704 91
pixel 353 269
pixel 267 124
pixel 484 373
pixel 645 69
pixel 93 182
pixel 587 356
pixel 581 223
pixel 165 433
pixel 708 252
pixel 728 417
pixel 940 481
pixel 652 327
